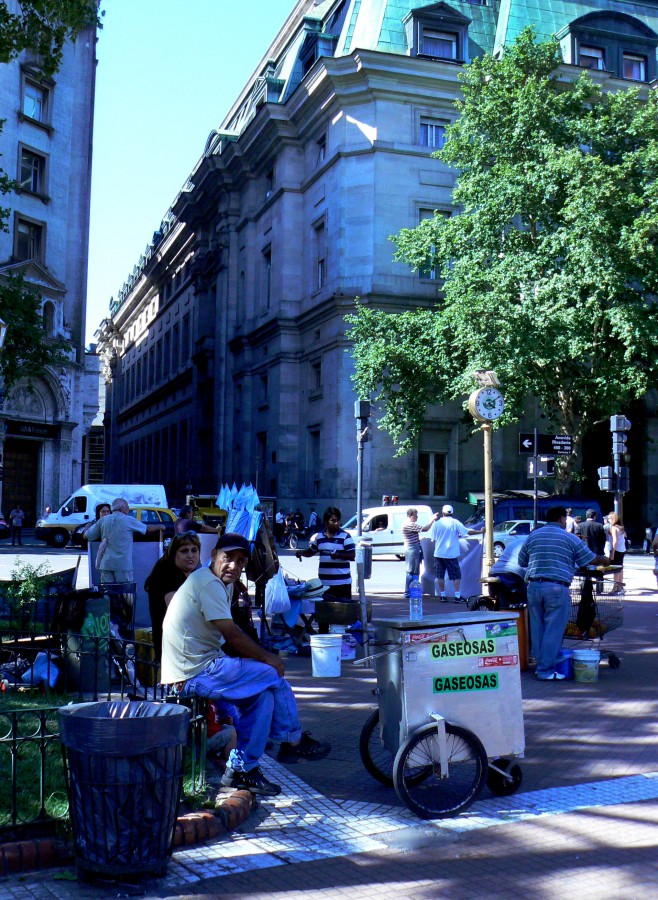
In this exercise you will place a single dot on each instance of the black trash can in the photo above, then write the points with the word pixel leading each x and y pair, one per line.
pixel 124 772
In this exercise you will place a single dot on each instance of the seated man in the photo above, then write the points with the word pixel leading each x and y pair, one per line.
pixel 197 623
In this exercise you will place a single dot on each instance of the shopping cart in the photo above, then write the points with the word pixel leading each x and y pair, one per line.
pixel 597 608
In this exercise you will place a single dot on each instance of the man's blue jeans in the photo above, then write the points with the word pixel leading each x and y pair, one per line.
pixel 549 605
pixel 266 703
pixel 412 558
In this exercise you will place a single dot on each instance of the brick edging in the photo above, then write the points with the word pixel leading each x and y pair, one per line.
pixel 193 828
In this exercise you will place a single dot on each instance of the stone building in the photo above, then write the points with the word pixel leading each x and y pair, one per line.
pixel 46 141
pixel 226 350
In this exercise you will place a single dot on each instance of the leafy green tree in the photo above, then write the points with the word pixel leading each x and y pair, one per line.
pixel 550 263
pixel 42 26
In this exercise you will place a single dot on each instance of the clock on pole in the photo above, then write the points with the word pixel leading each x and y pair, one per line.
pixel 486 404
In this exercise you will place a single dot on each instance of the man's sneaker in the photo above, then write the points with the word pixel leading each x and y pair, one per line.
pixel 253 781
pixel 554 676
pixel 307 748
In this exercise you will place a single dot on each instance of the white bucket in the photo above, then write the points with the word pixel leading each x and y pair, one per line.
pixel 586 665
pixel 325 655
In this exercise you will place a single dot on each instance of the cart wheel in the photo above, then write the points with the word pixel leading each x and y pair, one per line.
pixel 613 661
pixel 500 785
pixel 417 771
pixel 480 601
pixel 376 758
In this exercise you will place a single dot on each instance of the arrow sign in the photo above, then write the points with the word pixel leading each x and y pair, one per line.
pixel 527 443
pixel 547 444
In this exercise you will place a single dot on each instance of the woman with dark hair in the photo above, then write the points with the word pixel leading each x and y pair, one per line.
pixel 102 509
pixel 168 574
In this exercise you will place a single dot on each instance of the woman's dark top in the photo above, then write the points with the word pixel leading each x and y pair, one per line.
pixel 165 578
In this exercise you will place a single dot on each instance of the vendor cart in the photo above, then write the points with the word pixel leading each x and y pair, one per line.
pixel 450 712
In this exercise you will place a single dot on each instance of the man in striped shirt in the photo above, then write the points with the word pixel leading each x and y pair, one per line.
pixel 551 555
pixel 413 552
pixel 336 550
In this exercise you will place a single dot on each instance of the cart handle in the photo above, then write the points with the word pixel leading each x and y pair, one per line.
pixel 362 662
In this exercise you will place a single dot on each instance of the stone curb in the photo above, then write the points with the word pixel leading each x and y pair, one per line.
pixel 193 828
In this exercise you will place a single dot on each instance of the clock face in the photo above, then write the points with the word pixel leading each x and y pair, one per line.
pixel 488 404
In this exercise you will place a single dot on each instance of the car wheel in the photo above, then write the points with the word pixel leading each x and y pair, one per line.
pixel 59 539
pixel 498 549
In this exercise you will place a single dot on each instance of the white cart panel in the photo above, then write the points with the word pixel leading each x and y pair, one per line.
pixel 463 666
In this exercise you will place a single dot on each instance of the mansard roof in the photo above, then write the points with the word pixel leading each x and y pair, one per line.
pixel 551 18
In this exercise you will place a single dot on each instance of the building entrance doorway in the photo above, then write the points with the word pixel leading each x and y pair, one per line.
pixel 21 481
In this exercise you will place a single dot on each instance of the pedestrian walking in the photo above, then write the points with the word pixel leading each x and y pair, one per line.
pixel 16 517
pixel 551 555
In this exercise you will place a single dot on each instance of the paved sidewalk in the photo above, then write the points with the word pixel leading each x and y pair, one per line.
pixel 584 822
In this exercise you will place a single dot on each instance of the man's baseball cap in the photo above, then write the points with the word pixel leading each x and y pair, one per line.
pixel 231 540
pixel 447 510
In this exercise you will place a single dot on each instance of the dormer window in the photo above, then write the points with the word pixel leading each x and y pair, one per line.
pixel 611 41
pixel 437 32
pixel 591 58
pixel 440 44
pixel 634 67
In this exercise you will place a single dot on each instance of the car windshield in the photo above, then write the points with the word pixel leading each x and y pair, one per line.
pixel 505 526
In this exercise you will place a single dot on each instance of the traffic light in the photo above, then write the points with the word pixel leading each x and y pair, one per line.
pixel 619 439
pixel 619 423
pixel 623 479
pixel 606 478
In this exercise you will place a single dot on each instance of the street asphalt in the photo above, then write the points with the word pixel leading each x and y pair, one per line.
pixel 584 822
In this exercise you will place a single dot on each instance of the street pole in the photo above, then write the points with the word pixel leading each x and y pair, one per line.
pixel 535 490
pixel 361 413
pixel 488 499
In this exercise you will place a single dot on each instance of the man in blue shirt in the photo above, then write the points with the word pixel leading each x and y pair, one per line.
pixel 551 555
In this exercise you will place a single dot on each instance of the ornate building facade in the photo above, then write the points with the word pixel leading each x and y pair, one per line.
pixel 46 427
pixel 226 349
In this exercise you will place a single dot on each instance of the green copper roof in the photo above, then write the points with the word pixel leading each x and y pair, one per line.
pixel 549 18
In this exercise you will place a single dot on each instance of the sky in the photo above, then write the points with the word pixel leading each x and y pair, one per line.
pixel 168 72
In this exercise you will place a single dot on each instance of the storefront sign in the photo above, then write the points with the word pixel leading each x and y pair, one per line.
pixel 33 429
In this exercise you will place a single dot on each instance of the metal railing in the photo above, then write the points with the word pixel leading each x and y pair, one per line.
pixel 72 667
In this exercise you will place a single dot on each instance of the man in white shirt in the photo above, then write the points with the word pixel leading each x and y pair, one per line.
pixel 445 533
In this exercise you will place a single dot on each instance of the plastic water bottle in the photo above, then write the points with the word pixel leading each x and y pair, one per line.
pixel 415 601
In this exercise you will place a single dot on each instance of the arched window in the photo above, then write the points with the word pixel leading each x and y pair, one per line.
pixel 49 318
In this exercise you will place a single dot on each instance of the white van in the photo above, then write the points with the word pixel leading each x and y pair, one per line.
pixel 56 528
pixel 382 527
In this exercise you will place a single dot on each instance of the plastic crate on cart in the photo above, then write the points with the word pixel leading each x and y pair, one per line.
pixel 609 601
